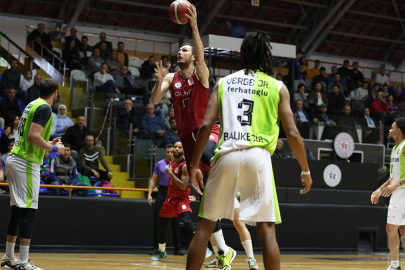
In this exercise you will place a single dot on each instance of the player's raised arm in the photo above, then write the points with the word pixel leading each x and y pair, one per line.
pixel 294 137
pixel 163 82
pixel 202 72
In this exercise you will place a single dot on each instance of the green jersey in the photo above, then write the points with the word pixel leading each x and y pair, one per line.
pixel 248 107
pixel 38 111
pixel 397 164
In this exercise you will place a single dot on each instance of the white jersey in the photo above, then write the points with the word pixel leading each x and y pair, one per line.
pixel 397 166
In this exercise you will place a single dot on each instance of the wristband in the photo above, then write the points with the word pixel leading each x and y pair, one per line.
pixel 306 173
pixel 55 149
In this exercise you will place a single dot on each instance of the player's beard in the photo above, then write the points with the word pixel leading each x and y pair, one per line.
pixel 178 155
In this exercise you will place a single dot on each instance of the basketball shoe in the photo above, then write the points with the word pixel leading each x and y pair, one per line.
pixel 159 256
pixel 213 264
pixel 26 266
pixel 226 260
pixel 252 263
pixel 392 268
pixel 9 263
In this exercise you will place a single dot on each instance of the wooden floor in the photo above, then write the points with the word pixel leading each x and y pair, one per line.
pixel 129 262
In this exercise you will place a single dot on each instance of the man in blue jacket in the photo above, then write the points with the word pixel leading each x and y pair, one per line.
pixel 152 124
pixel 64 172
pixel 127 84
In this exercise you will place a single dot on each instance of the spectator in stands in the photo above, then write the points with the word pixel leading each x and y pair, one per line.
pixel 336 101
pixel 361 93
pixel 33 91
pixel 317 97
pixel 386 92
pixel 148 68
pixel 152 123
pixel 344 70
pixel 392 107
pixel 279 77
pixel 94 62
pixel 63 171
pixel 398 97
pixel 11 79
pixel 166 122
pixel 73 36
pixel 300 95
pixel 320 78
pixel 304 69
pixel 369 126
pixel 89 158
pixel 294 65
pixel 27 82
pixel 336 81
pixel 355 77
pixel 122 56
pixel 71 55
pixel 103 38
pixel 40 35
pixel 374 91
pixel 11 130
pixel 63 122
pixel 114 65
pixel 346 119
pixel 315 70
pixel 104 52
pixel 331 77
pixel 302 119
pixel 126 116
pixel 279 153
pixel 171 136
pixel 165 61
pixel 75 136
pixel 382 78
pixel 379 108
pixel 104 81
pixel 86 52
pixel 308 152
pixel 162 109
pixel 323 116
pixel 9 106
pixel 127 85
pixel 3 157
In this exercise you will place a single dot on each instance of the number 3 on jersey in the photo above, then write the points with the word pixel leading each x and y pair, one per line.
pixel 246 121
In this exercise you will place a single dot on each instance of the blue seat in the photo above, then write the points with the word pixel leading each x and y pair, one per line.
pixel 1 131
pixel 43 190
pixel 22 106
pixel 106 194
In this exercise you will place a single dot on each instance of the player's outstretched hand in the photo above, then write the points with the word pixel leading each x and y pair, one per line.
pixel 374 197
pixel 307 183
pixel 388 190
pixel 55 141
pixel 192 16
pixel 61 148
pixel 160 72
pixel 196 179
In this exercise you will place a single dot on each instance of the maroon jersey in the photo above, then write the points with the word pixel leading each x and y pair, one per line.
pixel 174 191
pixel 190 100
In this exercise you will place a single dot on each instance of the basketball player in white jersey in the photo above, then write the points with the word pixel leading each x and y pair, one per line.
pixel 250 103
pixel 395 187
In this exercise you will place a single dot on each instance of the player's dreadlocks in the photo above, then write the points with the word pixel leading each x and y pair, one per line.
pixel 256 53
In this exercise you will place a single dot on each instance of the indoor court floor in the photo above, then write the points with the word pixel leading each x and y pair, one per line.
pixel 130 262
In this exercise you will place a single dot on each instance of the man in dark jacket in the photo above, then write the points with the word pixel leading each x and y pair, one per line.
pixel 148 68
pixel 40 35
pixel 127 84
pixel 369 127
pixel 75 136
pixel 9 106
pixel 279 153
pixel 73 36
pixel 127 116
pixel 104 52
pixel 34 91
pixel 86 52
pixel 355 78
pixel 336 101
pixel 320 78
pixel 303 124
pixel 103 38
pixel 11 79
pixel 171 136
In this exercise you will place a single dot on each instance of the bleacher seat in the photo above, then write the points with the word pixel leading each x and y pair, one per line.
pixel 134 61
pixel 116 96
pixel 136 100
pixel 22 106
pixel 78 75
pixel 106 194
pixel 134 72
pixel 43 190
pixel 144 83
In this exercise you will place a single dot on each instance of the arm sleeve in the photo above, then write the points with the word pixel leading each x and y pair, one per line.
pixel 83 160
pixel 42 115
pixel 102 160
pixel 156 169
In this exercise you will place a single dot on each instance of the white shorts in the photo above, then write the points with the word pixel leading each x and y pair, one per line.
pixel 396 209
pixel 250 172
pixel 24 180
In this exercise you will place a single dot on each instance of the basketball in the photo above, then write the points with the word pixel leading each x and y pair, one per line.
pixel 177 11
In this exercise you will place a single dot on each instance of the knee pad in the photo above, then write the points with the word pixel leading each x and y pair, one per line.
pixel 26 222
pixel 14 221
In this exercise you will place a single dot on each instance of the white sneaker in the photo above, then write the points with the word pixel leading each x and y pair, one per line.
pixel 392 268
pixel 9 263
pixel 26 266
pixel 213 264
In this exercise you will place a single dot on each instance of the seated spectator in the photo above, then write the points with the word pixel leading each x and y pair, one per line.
pixel 11 79
pixel 3 158
pixel 317 97
pixel 33 92
pixel 9 106
pixel 279 77
pixel 122 56
pixel 104 82
pixel 152 123
pixel 320 78
pixel 75 136
pixel 323 116
pixel 126 116
pixel 40 35
pixel 171 136
pixel 279 153
pixel 379 108
pixel 104 52
pixel 127 85
pixel 45 166
pixel 11 130
pixel 63 171
pixel 27 82
pixel 344 71
pixel 392 107
pixel 336 101
pixel 85 51
pixel 94 62
pixel 370 131
pixel 382 78
pixel 347 123
pixel 162 109
pixel 148 68
pixel 89 158
pixel 308 152
pixel 374 91
pixel 166 122
pixel 361 93
pixel 386 92
pixel 398 97
pixel 71 55
pixel 63 122
pixel 302 119
pixel 335 82
pixel 103 38
pixel 114 65
pixel 355 77
pixel 73 36
pixel 300 95
pixel 313 72
pixel 304 69
pixel 331 77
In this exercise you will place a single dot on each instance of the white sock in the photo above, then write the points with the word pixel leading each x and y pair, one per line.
pixel 24 251
pixel 162 247
pixel 395 264
pixel 10 249
pixel 215 250
pixel 247 245
pixel 219 238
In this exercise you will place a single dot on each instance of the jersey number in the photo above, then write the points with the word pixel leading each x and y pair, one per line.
pixel 185 102
pixel 243 120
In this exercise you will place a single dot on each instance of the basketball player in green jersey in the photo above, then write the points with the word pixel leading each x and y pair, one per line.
pixel 395 187
pixel 250 103
pixel 23 172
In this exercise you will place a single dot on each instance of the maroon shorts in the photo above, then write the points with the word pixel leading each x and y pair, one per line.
pixel 188 142
pixel 175 206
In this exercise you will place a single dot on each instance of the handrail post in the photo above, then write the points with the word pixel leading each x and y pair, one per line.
pixel 134 159
pixel 130 136
pixel 114 151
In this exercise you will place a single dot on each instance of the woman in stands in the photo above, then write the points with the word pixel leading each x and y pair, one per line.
pixel 71 55
pixel 104 81
pixel 374 90
pixel 63 122
pixel 11 130
pixel 27 82
pixel 300 94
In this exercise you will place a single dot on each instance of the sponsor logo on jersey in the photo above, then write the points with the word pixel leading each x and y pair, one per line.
pixel 248 91
pixel 184 94
pixel 242 136
pixel 177 85
pixel 176 170
pixel 394 159
pixel 184 207
pixel 190 81
pixel 332 175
